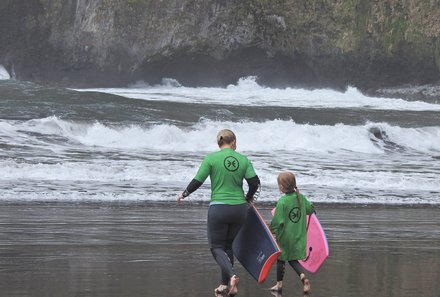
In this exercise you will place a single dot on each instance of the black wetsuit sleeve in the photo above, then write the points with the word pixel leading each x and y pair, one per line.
pixel 253 183
pixel 193 185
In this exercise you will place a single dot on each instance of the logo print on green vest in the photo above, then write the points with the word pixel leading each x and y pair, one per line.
pixel 295 215
pixel 231 163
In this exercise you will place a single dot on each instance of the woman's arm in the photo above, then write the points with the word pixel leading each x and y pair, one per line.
pixel 193 185
pixel 201 176
pixel 254 184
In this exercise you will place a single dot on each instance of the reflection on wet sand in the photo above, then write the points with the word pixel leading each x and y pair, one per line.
pixel 279 294
pixel 142 249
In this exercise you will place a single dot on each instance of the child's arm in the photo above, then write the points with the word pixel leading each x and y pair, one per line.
pixel 309 206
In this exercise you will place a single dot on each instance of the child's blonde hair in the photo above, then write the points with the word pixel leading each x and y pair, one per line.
pixel 287 184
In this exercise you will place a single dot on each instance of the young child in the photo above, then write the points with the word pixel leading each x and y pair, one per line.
pixel 289 227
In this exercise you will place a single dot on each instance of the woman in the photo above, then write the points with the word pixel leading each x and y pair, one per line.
pixel 228 208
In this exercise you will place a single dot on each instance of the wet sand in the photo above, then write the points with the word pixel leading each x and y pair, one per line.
pixel 160 249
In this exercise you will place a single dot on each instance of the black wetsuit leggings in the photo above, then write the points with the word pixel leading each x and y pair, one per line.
pixel 281 267
pixel 224 222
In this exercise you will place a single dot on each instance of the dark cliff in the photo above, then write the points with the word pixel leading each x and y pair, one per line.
pixel 313 43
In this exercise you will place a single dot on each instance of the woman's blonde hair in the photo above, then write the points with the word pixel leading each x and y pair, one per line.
pixel 225 136
pixel 287 184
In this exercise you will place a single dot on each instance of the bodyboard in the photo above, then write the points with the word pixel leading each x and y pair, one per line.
pixel 255 247
pixel 317 249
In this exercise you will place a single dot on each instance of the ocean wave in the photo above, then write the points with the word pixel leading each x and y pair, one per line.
pixel 55 159
pixel 268 136
pixel 430 93
pixel 247 92
pixel 4 74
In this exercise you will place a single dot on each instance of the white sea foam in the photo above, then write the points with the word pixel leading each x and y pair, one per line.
pixel 98 171
pixel 426 90
pixel 248 92
pixel 133 180
pixel 4 74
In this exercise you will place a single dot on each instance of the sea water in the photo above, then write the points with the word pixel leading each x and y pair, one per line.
pixel 146 142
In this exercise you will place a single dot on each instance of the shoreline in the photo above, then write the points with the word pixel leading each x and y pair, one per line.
pixel 263 204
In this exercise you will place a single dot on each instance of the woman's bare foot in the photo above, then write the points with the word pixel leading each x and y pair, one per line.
pixel 306 283
pixel 234 283
pixel 276 293
pixel 277 288
pixel 222 289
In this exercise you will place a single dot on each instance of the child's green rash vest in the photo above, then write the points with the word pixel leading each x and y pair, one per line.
pixel 289 226
pixel 227 169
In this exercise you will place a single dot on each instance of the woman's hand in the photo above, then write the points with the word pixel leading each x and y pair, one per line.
pixel 250 199
pixel 180 198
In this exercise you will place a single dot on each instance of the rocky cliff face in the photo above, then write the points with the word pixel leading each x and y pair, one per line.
pixel 214 42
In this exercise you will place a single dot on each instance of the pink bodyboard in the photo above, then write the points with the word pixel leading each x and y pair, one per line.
pixel 317 250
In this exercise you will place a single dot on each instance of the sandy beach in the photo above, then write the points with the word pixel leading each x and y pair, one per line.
pixel 160 249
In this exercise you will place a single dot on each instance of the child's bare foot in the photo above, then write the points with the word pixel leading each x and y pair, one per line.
pixel 234 285
pixel 306 284
pixel 222 289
